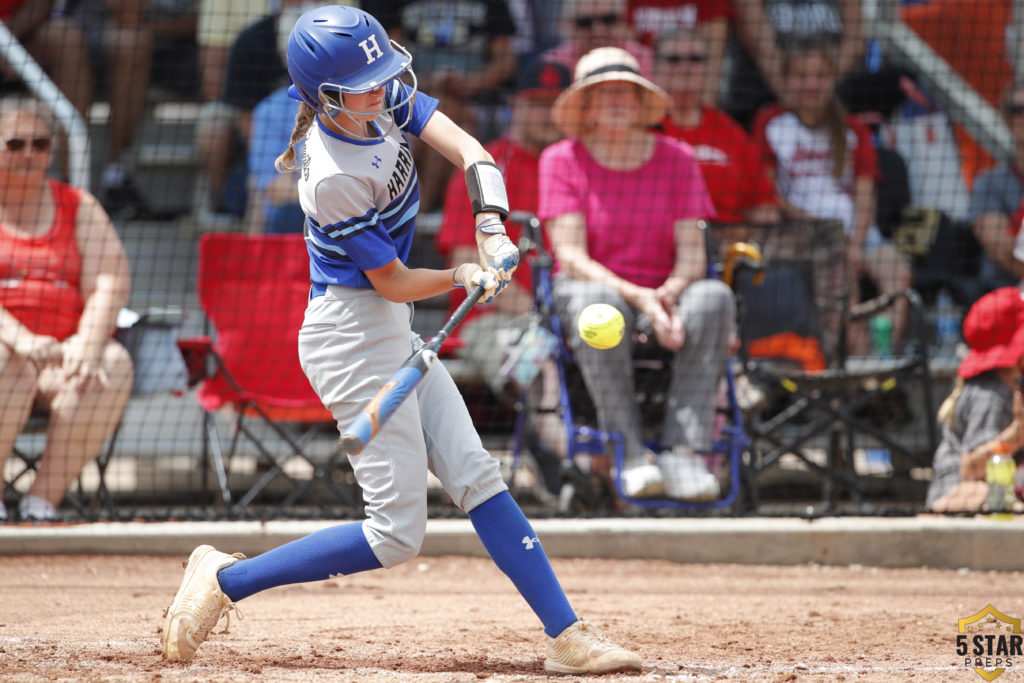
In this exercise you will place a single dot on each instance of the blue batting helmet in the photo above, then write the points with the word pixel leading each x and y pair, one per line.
pixel 333 50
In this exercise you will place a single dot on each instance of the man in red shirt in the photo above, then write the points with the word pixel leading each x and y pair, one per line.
pixel 729 160
pixel 709 19
pixel 517 154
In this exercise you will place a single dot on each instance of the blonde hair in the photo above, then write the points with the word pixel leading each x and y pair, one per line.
pixel 947 411
pixel 285 162
pixel 835 112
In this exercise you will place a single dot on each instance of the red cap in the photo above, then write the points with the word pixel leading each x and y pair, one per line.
pixel 994 331
pixel 543 78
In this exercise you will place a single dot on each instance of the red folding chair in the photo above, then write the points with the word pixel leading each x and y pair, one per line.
pixel 253 290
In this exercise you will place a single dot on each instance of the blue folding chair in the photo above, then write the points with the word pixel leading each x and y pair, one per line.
pixel 581 487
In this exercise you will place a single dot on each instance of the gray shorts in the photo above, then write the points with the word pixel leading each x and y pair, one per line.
pixel 351 342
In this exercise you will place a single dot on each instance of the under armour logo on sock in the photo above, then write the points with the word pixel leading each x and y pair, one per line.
pixel 528 542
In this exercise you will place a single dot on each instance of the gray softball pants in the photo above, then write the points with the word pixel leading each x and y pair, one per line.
pixel 351 342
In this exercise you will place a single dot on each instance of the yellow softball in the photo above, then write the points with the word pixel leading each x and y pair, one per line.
pixel 601 326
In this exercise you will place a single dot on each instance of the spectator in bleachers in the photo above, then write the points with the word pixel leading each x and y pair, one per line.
pixel 55 42
pixel 132 45
pixel 729 160
pixel 465 58
pixel 921 132
pixel 219 24
pixel 996 198
pixel 984 414
pixel 255 69
pixel 63 279
pixel 708 19
pixel 490 331
pixel 273 195
pixel 59 47
pixel 622 206
pixel 825 166
pixel 537 28
pixel 590 24
pixel 764 28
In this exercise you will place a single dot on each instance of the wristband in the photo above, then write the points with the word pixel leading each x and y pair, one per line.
pixel 486 188
pixel 492 226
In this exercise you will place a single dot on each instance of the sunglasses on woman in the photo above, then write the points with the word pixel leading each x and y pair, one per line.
pixel 679 59
pixel 38 144
pixel 607 19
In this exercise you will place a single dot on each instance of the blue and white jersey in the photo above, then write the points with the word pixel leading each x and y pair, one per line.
pixel 360 197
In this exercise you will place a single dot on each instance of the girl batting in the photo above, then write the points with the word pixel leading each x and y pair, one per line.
pixel 358 190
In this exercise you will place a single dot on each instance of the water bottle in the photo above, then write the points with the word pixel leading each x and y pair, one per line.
pixel 881 336
pixel 947 326
pixel 999 474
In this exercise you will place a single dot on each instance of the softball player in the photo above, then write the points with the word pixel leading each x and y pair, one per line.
pixel 358 189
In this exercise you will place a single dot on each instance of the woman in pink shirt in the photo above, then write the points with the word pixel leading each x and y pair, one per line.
pixel 622 205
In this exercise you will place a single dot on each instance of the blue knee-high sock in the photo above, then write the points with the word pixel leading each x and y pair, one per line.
pixel 336 550
pixel 511 543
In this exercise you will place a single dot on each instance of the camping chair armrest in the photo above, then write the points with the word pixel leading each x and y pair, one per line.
pixel 203 361
pixel 916 332
pixel 196 351
pixel 868 308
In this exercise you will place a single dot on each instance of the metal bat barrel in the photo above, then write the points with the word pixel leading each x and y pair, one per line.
pixel 386 402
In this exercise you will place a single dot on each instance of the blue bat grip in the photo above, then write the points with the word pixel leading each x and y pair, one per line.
pixel 385 403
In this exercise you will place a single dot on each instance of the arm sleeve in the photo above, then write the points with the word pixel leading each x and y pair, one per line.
pixel 423 107
pixel 345 223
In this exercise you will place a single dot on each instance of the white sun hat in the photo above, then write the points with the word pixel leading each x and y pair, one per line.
pixel 602 65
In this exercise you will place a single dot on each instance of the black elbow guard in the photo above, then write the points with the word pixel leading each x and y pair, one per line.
pixel 487 188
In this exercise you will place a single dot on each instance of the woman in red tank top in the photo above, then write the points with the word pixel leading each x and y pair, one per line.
pixel 63 279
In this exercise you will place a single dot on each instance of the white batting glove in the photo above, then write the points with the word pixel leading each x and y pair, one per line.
pixel 497 252
pixel 469 275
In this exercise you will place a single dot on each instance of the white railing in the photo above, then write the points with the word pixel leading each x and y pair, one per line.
pixel 949 89
pixel 46 90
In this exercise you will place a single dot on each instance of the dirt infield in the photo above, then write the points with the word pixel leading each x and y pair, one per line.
pixel 458 619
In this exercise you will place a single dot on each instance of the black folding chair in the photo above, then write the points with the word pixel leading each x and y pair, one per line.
pixel 818 400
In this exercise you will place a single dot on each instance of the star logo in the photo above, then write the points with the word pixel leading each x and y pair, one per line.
pixel 994 640
pixel 376 161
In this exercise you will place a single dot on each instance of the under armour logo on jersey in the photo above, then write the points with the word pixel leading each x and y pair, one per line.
pixel 372 49
pixel 528 542
pixel 376 161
